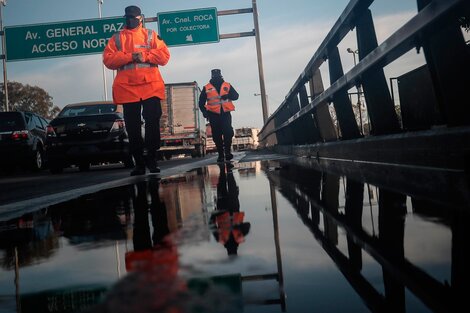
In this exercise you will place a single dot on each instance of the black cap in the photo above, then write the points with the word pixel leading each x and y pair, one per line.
pixel 132 10
pixel 216 73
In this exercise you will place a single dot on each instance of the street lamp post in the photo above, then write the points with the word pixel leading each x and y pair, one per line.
pixel 354 52
pixel 105 89
pixel 5 80
pixel 358 88
pixel 264 101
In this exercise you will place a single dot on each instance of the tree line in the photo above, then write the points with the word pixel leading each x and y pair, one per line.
pixel 28 98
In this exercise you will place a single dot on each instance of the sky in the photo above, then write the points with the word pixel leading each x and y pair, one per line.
pixel 290 33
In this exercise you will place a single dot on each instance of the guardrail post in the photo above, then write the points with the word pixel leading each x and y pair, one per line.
pixel 289 130
pixel 342 103
pixel 321 112
pixel 353 208
pixel 285 135
pixel 297 127
pixel 418 103
pixel 392 209
pixel 448 59
pixel 277 122
pixel 330 200
pixel 310 130
pixel 380 107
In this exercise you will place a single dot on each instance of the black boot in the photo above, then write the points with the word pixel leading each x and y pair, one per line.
pixel 228 154
pixel 152 164
pixel 139 168
pixel 220 159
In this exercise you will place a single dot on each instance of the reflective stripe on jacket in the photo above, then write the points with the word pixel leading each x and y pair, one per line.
pixel 214 100
pixel 136 81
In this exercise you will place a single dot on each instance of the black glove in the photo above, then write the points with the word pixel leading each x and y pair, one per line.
pixel 137 57
pixel 224 97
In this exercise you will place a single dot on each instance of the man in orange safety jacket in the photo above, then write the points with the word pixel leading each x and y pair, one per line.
pixel 215 103
pixel 136 52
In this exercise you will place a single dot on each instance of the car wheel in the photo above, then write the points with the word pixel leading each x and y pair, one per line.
pixel 83 167
pixel 37 161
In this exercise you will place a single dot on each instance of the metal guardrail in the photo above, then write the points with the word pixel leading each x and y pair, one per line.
pixel 304 118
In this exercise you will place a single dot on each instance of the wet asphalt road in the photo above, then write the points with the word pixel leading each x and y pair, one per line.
pixel 20 189
pixel 22 192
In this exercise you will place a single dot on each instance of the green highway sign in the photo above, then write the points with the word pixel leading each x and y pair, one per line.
pixel 60 39
pixel 189 27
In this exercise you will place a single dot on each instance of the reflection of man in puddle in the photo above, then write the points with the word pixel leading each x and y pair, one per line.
pixel 154 261
pixel 153 283
pixel 148 248
pixel 227 220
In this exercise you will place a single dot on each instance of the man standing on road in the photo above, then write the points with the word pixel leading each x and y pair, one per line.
pixel 136 52
pixel 219 96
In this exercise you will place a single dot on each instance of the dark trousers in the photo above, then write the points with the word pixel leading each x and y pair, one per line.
pixel 222 131
pixel 151 110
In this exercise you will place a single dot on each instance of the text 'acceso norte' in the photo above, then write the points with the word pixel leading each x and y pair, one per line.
pixel 73 38
pixel 64 46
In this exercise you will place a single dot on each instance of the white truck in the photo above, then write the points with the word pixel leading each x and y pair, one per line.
pixel 182 126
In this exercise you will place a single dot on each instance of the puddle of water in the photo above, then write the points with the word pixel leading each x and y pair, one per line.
pixel 260 237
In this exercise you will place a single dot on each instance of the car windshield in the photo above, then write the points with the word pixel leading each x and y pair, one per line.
pixel 10 121
pixel 88 110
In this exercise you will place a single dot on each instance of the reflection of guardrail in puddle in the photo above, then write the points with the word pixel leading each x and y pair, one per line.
pixel 316 196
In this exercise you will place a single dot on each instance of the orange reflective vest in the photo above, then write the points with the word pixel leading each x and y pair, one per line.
pixel 146 260
pixel 136 81
pixel 226 224
pixel 214 100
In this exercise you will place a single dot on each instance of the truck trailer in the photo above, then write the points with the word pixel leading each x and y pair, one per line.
pixel 182 126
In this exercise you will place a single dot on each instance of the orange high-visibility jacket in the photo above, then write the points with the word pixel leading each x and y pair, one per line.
pixel 214 100
pixel 164 257
pixel 226 224
pixel 136 81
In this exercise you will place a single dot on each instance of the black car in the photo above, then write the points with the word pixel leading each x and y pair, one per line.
pixel 22 138
pixel 87 133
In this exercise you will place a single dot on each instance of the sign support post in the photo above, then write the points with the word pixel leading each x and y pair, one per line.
pixel 5 80
pixel 100 3
pixel 264 102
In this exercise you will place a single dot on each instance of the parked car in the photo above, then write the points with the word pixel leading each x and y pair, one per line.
pixel 22 137
pixel 87 133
